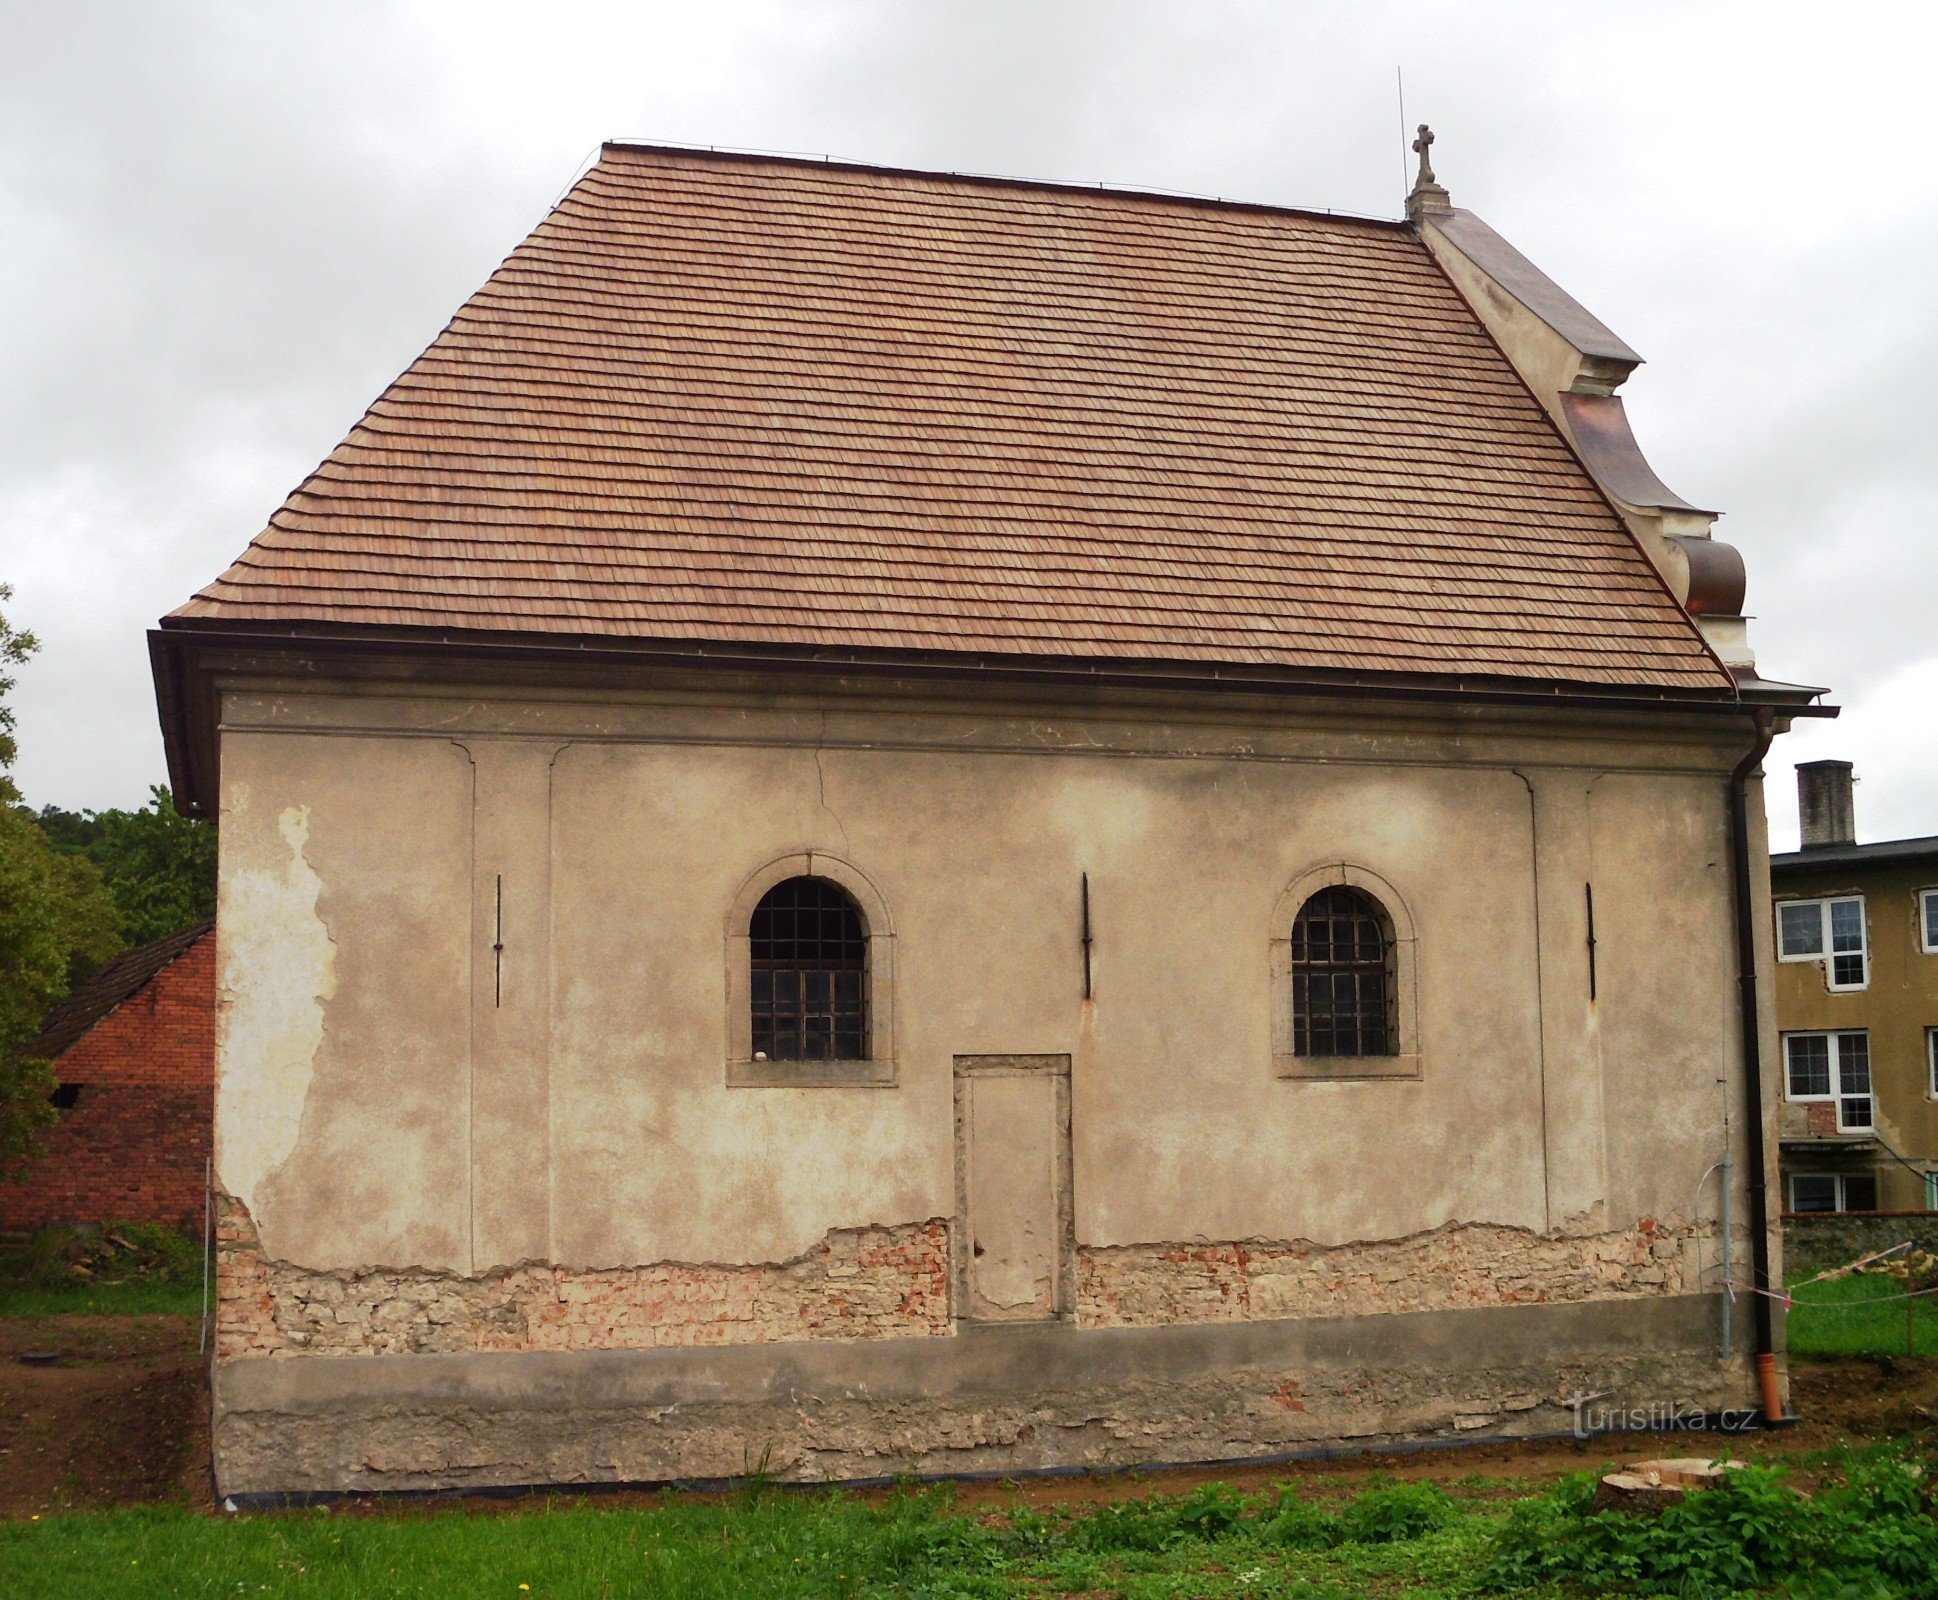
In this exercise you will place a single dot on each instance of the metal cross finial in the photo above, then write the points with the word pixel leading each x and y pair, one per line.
pixel 1421 146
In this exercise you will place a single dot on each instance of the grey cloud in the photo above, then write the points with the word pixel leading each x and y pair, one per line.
pixel 228 227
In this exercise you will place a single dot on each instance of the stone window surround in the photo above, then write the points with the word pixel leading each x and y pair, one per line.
pixel 1406 979
pixel 878 1071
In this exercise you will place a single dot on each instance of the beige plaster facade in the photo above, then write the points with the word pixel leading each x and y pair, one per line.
pixel 482 1079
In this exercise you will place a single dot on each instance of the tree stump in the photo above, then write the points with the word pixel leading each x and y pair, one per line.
pixel 1647 1486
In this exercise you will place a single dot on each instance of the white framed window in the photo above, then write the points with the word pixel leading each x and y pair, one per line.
pixel 1830 931
pixel 1928 921
pixel 1833 1191
pixel 1834 1068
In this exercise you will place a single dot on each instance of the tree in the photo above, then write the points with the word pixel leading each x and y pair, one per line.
pixel 56 921
pixel 15 648
pixel 158 865
pixel 57 925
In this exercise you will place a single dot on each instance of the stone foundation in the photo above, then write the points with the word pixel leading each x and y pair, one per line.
pixel 858 1283
pixel 1459 1265
pixel 848 1364
pixel 990 1399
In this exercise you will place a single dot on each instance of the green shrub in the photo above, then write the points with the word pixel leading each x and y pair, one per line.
pixel 63 1256
pixel 1875 1531
pixel 1395 1513
pixel 1210 1511
pixel 1140 1525
pixel 1298 1525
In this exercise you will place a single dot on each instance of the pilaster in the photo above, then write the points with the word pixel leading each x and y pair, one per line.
pixel 1574 1139
pixel 511 1003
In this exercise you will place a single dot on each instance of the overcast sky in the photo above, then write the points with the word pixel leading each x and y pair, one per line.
pixel 224 227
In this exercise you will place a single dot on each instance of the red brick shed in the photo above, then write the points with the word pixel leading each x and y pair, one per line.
pixel 133 1050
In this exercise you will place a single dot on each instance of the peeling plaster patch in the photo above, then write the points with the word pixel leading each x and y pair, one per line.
pixel 1452 1267
pixel 854 1283
pixel 279 969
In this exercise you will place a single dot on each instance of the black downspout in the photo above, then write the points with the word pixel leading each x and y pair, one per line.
pixel 1746 936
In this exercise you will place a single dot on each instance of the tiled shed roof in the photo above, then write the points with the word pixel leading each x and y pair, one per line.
pixel 748 399
pixel 121 979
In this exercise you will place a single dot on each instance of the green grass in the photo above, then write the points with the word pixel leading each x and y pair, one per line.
pixel 1865 1533
pixel 120 1299
pixel 780 1545
pixel 1859 1316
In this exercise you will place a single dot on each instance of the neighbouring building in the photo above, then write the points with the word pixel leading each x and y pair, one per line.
pixel 133 1054
pixel 880 822
pixel 1857 1003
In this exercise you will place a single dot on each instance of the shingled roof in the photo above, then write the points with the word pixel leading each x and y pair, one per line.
pixel 736 398
pixel 120 980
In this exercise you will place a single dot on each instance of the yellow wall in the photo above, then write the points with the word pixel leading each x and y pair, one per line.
pixel 1899 1004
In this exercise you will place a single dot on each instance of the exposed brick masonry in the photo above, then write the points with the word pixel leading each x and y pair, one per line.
pixel 1449 1268
pixel 892 1282
pixel 133 1147
pixel 858 1283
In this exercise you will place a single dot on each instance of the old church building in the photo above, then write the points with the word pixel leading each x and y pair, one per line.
pixel 880 822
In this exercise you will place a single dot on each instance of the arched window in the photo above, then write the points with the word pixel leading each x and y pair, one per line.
pixel 1344 978
pixel 809 977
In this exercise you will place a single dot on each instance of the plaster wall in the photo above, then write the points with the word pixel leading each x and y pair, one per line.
pixel 396 1092
pixel 344 989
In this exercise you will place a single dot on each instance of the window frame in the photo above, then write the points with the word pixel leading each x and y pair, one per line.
pixel 1928 922
pixel 1840 1193
pixel 1931 1063
pixel 878 1069
pixel 1835 1092
pixel 831 959
pixel 1827 953
pixel 1286 1061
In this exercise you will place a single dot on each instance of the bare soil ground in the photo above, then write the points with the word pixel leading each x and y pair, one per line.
pixel 122 1419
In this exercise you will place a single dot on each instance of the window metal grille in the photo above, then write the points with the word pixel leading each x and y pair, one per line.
pixel 1343 977
pixel 810 974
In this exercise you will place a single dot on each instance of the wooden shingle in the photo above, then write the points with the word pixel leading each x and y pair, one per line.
pixel 747 399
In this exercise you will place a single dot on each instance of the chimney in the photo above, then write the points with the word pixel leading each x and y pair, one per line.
pixel 1824 812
